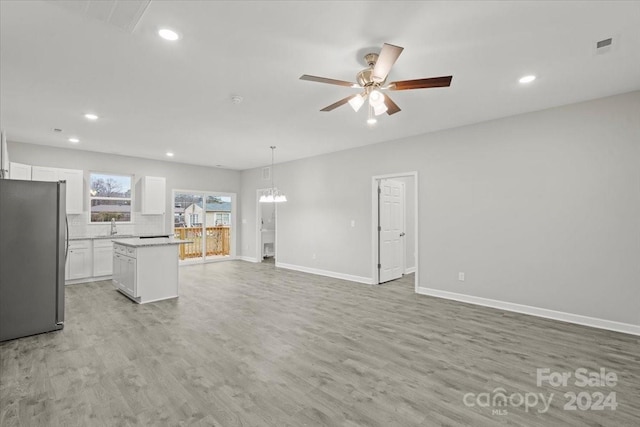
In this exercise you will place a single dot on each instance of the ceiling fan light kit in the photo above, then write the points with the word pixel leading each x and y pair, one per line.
pixel 357 101
pixel 372 80
pixel 379 109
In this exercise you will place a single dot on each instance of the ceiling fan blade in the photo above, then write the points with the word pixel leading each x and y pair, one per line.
pixel 392 107
pixel 339 103
pixel 329 81
pixel 421 83
pixel 388 56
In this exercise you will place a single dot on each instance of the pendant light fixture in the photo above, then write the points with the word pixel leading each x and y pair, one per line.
pixel 272 195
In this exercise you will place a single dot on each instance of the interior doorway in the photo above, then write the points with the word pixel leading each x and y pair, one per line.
pixel 391 229
pixel 394 227
pixel 266 229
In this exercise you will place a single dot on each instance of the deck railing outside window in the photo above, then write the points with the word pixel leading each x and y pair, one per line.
pixel 216 241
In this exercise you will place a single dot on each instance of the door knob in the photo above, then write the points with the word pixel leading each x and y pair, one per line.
pixel 402 234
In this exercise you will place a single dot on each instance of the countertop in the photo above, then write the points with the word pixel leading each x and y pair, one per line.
pixel 122 236
pixel 115 236
pixel 136 242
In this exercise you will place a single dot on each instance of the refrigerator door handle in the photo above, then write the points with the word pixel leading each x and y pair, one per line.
pixel 66 240
pixel 62 197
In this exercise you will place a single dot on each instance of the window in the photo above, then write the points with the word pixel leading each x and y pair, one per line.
pixel 110 197
pixel 193 221
pixel 222 218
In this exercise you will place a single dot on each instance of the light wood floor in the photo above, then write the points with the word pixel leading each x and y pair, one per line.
pixel 251 345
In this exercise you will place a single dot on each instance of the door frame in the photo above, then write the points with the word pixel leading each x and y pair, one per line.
pixel 234 227
pixel 375 278
pixel 259 192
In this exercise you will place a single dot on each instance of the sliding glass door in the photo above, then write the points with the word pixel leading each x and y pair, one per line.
pixel 205 218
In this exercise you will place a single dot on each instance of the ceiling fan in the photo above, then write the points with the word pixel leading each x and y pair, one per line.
pixel 373 79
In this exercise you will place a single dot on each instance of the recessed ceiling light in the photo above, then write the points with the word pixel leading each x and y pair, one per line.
pixel 372 121
pixel 169 154
pixel 527 79
pixel 168 34
pixel 90 116
pixel 74 140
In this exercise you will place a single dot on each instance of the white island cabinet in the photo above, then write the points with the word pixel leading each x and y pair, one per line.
pixel 146 270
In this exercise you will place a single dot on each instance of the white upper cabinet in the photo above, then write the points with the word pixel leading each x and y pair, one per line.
pixel 75 189
pixel 153 195
pixel 43 173
pixel 19 171
pixel 75 184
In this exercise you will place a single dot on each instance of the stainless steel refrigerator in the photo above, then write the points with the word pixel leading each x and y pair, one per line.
pixel 32 257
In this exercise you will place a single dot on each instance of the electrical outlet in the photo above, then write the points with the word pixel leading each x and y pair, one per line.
pixel 461 276
pixel 313 256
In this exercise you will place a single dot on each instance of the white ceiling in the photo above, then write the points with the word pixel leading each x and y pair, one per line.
pixel 153 96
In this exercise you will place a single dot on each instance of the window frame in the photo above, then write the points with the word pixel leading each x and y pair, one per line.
pixel 222 216
pixel 129 199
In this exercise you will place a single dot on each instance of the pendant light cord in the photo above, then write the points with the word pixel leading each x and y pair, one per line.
pixel 273 188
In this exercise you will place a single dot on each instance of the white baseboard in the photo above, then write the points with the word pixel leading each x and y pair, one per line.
pixel 248 259
pixel 410 270
pixel 327 273
pixel 87 280
pixel 594 322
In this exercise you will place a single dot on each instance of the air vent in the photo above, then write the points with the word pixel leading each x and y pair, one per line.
pixel 123 14
pixel 604 46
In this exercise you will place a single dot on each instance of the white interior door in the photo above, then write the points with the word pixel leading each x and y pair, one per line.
pixel 391 232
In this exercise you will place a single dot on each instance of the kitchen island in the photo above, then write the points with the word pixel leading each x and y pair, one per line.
pixel 146 269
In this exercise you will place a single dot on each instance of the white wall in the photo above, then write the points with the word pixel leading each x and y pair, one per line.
pixel 540 209
pixel 178 176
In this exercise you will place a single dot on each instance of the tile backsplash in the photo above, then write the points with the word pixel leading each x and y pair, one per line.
pixel 142 224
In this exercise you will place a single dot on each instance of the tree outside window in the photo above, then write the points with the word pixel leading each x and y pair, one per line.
pixel 111 197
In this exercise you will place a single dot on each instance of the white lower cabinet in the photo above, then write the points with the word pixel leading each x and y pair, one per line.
pixel 89 260
pixel 118 268
pixel 102 257
pixel 124 273
pixel 78 264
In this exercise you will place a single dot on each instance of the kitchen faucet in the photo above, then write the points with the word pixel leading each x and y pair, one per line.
pixel 113 227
